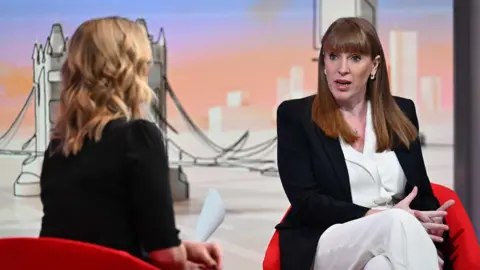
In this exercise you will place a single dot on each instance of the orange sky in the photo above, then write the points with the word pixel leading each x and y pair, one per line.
pixel 17 81
pixel 205 81
pixel 202 80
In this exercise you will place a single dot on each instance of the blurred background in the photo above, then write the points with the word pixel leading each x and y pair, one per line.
pixel 229 64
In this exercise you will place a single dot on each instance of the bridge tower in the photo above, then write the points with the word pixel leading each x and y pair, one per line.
pixel 157 75
pixel 47 60
pixel 158 113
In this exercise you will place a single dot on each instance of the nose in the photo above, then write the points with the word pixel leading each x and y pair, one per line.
pixel 343 67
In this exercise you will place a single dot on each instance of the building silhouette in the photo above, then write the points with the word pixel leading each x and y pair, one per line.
pixel 297 79
pixel 431 93
pixel 283 89
pixel 238 98
pixel 292 87
pixel 404 64
pixel 238 114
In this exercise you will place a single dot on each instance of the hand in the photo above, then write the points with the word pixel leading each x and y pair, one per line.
pixel 435 229
pixel 444 207
pixel 405 203
pixel 433 221
pixel 194 266
pixel 204 255
pixel 425 217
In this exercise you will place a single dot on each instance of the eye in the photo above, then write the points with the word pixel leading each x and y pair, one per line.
pixel 356 58
pixel 332 56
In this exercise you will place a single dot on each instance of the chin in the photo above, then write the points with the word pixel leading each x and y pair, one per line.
pixel 342 95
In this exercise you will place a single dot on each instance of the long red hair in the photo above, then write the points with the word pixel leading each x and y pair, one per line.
pixel 357 35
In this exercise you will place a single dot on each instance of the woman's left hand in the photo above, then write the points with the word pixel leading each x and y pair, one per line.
pixel 433 222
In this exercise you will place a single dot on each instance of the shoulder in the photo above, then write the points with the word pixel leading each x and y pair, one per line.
pixel 143 127
pixel 133 130
pixel 143 131
pixel 407 105
pixel 408 108
pixel 141 137
pixel 295 108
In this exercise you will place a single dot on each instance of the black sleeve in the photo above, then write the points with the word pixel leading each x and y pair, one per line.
pixel 150 186
pixel 314 207
pixel 426 200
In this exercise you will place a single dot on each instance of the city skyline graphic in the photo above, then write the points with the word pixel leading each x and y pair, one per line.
pixel 232 76
pixel 224 67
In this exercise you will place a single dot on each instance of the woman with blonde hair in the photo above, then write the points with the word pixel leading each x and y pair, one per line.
pixel 105 176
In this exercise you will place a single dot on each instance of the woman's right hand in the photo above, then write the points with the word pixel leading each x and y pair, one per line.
pixel 206 255
pixel 195 266
pixel 405 203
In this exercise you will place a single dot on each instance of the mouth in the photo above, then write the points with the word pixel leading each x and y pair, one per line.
pixel 343 82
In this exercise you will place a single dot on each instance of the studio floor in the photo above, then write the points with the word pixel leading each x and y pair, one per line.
pixel 254 204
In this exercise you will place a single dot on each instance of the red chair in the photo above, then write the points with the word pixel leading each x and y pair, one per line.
pixel 60 254
pixel 464 243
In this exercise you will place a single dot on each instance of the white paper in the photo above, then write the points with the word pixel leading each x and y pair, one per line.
pixel 212 215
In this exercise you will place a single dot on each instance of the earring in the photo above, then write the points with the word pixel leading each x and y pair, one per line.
pixel 325 71
pixel 372 76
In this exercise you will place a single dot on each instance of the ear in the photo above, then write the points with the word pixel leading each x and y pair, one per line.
pixel 376 63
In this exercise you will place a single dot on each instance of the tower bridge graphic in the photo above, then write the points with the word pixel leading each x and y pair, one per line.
pixel 44 96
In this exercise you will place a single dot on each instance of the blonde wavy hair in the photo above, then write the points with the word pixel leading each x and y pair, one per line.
pixel 104 77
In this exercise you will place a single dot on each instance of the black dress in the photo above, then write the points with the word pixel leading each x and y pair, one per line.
pixel 113 193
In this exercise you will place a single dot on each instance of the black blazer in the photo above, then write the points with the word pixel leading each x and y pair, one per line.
pixel 315 179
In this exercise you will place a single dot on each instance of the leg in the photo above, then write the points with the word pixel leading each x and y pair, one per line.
pixel 379 262
pixel 395 234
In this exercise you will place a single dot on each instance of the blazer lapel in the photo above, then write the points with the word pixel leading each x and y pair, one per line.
pixel 334 152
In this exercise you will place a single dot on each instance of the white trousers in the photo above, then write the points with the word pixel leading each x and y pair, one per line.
pixel 390 240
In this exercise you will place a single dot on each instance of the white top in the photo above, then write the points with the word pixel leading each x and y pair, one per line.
pixel 374 177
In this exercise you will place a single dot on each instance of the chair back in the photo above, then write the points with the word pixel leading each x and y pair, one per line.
pixel 59 254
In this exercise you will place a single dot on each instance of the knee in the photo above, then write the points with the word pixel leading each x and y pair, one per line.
pixel 400 225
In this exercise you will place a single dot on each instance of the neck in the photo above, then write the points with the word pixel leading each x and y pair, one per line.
pixel 354 108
